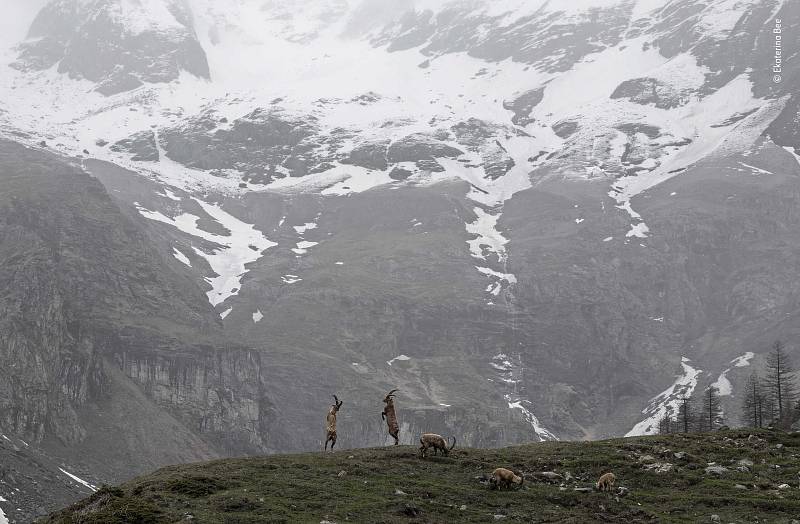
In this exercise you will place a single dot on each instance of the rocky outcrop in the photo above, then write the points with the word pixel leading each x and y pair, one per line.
pixel 419 148
pixel 649 91
pixel 259 144
pixel 128 44
pixel 482 137
pixel 141 146
pixel 523 104
pixel 220 393
pixel 371 155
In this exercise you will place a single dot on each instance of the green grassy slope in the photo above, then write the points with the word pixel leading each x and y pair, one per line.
pixel 394 485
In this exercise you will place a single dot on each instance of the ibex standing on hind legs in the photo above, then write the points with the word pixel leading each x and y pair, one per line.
pixel 330 423
pixel 390 416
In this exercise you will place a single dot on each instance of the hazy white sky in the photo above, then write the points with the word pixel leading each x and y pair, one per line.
pixel 16 19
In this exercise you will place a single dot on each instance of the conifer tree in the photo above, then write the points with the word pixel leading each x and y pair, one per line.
pixel 779 380
pixel 753 402
pixel 712 409
pixel 686 415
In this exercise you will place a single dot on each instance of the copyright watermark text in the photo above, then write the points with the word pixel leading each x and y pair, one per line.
pixel 777 63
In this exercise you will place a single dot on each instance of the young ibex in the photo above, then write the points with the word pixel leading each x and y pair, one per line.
pixel 330 423
pixel 437 442
pixel 390 416
pixel 504 477
pixel 606 482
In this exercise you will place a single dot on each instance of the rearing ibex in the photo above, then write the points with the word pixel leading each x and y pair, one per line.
pixel 330 423
pixel 390 416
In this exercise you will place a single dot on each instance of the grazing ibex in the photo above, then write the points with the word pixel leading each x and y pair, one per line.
pixel 504 477
pixel 390 416
pixel 437 442
pixel 606 482
pixel 330 423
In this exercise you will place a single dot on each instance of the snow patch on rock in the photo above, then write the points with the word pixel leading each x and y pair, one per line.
pixel 244 245
pixel 78 480
pixel 668 401
pixel 303 246
pixel 398 358
pixel 511 375
pixel 488 238
pixel 181 257
pixel 305 227
pixel 723 385
pixel 542 432
pixel 744 360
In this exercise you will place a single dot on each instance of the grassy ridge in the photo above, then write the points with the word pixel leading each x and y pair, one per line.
pixel 393 484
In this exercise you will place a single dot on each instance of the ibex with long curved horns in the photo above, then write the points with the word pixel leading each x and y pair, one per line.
pixel 330 423
pixel 435 442
pixel 388 414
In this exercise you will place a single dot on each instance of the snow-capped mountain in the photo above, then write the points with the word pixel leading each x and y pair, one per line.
pixel 548 209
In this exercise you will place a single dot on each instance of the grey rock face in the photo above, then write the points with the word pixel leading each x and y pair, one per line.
pixel 219 392
pixel 398 173
pixel 785 129
pixel 649 91
pixel 745 49
pixel 142 146
pixel 565 128
pixel 271 143
pixel 371 155
pixel 546 40
pixel 256 144
pixel 418 148
pixel 116 47
pixel 481 137
pixel 523 105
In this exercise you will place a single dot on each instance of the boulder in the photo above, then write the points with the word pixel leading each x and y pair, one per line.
pixel 716 470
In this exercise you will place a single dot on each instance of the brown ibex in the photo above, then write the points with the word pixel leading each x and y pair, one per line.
pixel 388 414
pixel 437 442
pixel 606 482
pixel 504 477
pixel 330 423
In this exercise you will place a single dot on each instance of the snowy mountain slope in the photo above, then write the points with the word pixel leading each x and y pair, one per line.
pixel 351 182
pixel 339 138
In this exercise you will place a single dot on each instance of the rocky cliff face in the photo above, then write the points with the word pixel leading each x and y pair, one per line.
pixel 130 42
pixel 137 365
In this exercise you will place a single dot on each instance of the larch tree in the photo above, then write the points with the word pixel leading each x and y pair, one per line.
pixel 665 424
pixel 686 415
pixel 712 409
pixel 779 380
pixel 753 402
